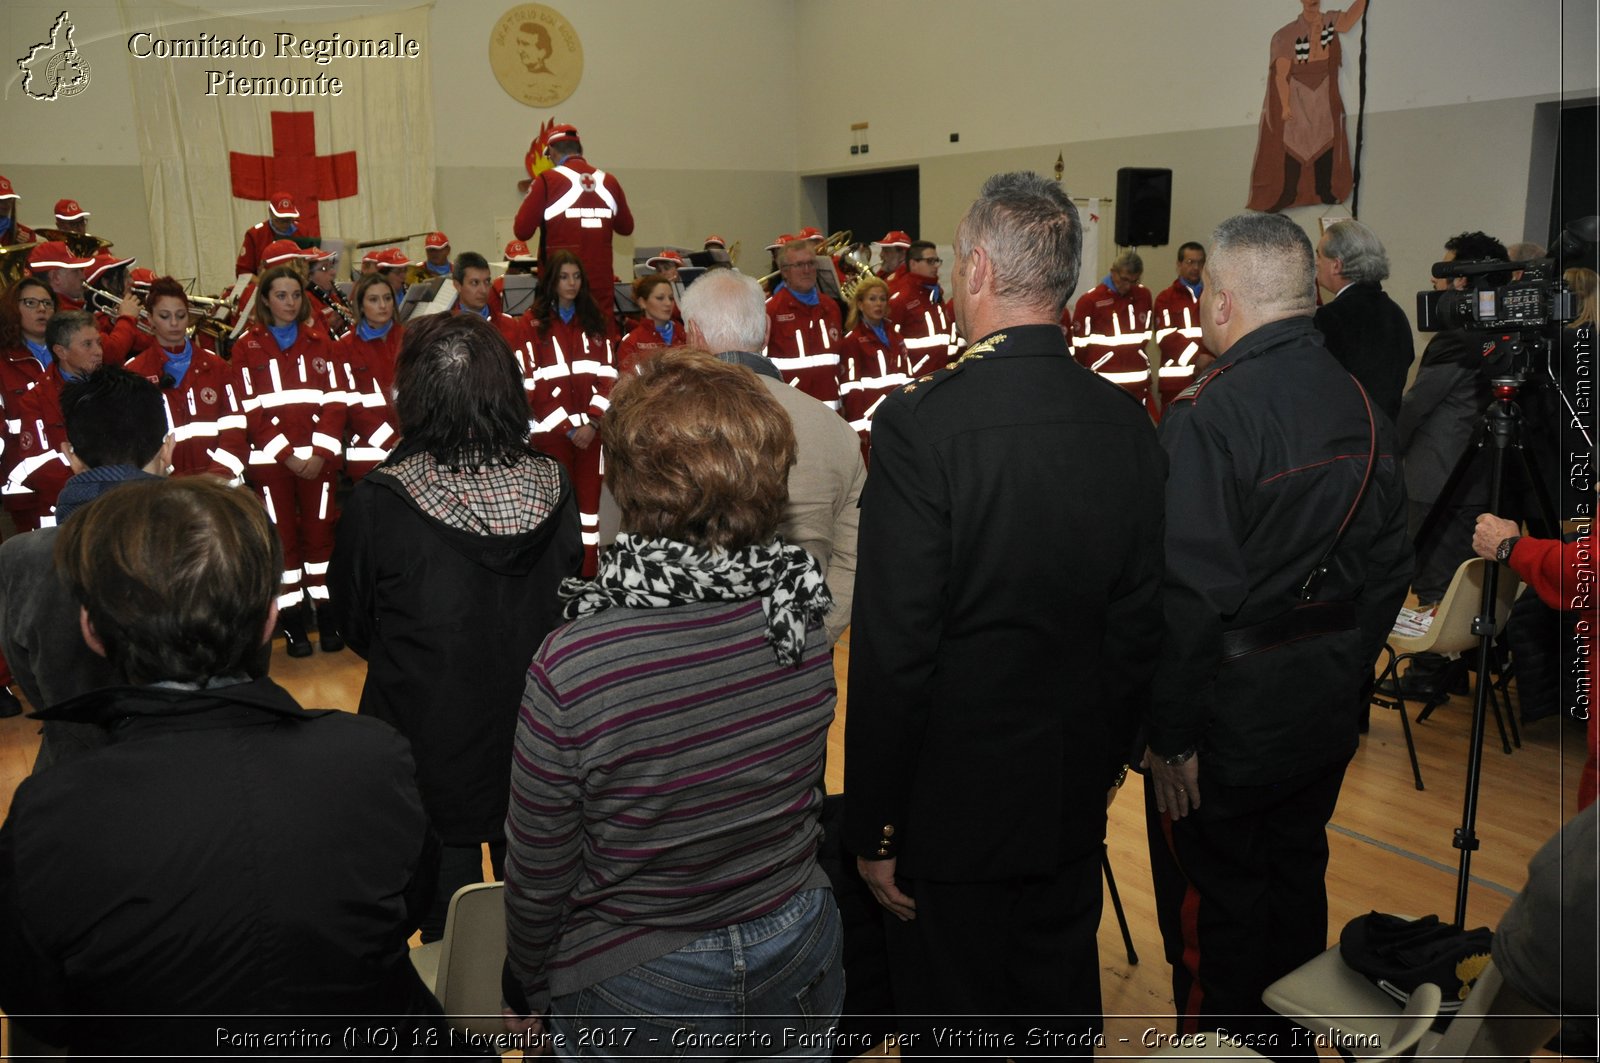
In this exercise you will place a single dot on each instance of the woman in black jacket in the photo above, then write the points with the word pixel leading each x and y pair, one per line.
pixel 444 577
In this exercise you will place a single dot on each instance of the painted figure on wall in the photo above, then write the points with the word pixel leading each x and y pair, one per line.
pixel 1303 154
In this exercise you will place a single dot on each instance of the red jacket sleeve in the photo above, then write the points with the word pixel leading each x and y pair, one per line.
pixel 531 214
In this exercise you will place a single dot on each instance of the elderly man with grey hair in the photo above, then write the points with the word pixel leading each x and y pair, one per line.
pixel 1286 561
pixel 1111 326
pixel 725 313
pixel 1007 620
pixel 1362 327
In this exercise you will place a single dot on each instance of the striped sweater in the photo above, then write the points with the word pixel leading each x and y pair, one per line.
pixel 666 782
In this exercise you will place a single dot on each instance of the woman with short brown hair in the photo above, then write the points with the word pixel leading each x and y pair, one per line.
pixel 668 767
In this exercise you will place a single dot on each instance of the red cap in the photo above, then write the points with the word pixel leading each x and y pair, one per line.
pixel 716 241
pixel 281 204
pixel 518 251
pixel 391 258
pixel 436 241
pixel 141 276
pixel 560 132
pixel 281 251
pixel 6 191
pixel 895 238
pixel 667 257
pixel 780 241
pixel 811 232
pixel 104 261
pixel 68 210
pixel 54 254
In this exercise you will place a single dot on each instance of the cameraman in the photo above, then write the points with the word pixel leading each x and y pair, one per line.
pixel 1438 414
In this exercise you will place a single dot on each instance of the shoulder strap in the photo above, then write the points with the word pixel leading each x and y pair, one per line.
pixel 1319 571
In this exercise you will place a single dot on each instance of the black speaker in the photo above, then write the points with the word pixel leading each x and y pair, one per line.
pixel 1144 206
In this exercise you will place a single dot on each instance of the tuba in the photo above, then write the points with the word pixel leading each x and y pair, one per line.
pixel 858 260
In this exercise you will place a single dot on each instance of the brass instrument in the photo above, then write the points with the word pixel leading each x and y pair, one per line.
pixel 82 244
pixel 858 259
pixel 13 263
pixel 341 307
pixel 207 315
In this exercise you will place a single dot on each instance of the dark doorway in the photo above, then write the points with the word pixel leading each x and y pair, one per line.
pixel 871 204
pixel 1575 192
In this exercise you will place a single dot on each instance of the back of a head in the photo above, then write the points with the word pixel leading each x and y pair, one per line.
pixel 114 417
pixel 1128 261
pixel 1585 284
pixel 1030 229
pixel 1361 256
pixel 458 391
pixel 1479 246
pixel 178 577
pixel 1266 261
pixel 698 451
pixel 729 309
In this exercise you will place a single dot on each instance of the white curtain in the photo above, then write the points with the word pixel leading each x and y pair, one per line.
pixel 1089 267
pixel 384 114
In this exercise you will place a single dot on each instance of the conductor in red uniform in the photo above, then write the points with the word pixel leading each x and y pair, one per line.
pixel 575 207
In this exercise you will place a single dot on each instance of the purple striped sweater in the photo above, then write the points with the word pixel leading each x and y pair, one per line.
pixel 666 781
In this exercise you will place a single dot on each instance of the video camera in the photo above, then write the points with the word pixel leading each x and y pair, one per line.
pixel 1535 301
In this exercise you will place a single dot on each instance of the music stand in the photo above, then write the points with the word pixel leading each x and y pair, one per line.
pixel 517 291
pixel 421 296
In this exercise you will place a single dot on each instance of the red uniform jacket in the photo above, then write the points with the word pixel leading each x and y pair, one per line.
pixel 803 344
pixel 922 322
pixel 41 469
pixel 1176 318
pixel 576 208
pixel 120 337
pixel 256 239
pixel 870 370
pixel 572 378
pixel 1109 335
pixel 203 413
pixel 366 370
pixel 20 372
pixel 293 404
pixel 644 341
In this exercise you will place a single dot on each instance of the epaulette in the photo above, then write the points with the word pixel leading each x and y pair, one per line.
pixel 1192 392
pixel 974 353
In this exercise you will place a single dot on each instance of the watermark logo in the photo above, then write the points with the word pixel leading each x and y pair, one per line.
pixel 55 69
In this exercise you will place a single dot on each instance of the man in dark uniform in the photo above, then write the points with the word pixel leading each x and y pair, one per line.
pixel 1259 688
pixel 1363 328
pixel 1006 623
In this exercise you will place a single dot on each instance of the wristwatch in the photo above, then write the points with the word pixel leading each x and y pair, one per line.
pixel 1178 758
pixel 1502 553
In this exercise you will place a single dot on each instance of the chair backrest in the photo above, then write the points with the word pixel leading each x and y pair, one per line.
pixel 1451 630
pixel 1422 1007
pixel 472 953
pixel 1495 1023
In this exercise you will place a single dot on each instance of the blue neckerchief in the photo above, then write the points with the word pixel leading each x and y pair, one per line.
pixel 285 334
pixel 40 352
pixel 367 332
pixel 438 271
pixel 284 234
pixel 880 332
pixel 5 227
pixel 665 331
pixel 483 313
pixel 177 365
pixel 1110 285
pixel 1194 289
pixel 567 313
pixel 810 298
pixel 935 294
pixel 66 376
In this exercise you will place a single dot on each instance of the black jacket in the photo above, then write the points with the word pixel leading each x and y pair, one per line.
pixel 1371 337
pixel 1444 405
pixel 448 621
pixel 1007 612
pixel 1267 452
pixel 228 855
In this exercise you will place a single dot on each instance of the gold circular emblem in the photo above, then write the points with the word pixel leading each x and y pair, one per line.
pixel 536 55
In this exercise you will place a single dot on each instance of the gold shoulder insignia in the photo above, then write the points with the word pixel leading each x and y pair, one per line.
pixel 909 388
pixel 978 350
pixel 1468 970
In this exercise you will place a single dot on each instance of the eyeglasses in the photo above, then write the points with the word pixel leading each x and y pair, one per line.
pixel 935 261
pixel 809 264
pixel 29 303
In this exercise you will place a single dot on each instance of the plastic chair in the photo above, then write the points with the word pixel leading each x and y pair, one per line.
pixel 1450 634
pixel 463 967
pixel 1399 1040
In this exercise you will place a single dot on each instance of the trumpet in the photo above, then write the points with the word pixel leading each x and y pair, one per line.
pixel 209 315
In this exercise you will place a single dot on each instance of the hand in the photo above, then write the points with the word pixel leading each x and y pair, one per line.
pixel 582 437
pixel 310 468
pixel 130 306
pixel 1490 533
pixel 531 1029
pixel 879 875
pixel 294 464
pixel 1288 113
pixel 1177 789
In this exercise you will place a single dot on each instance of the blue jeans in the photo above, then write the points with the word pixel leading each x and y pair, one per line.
pixel 772 986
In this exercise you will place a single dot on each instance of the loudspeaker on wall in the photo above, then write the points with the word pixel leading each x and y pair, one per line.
pixel 1144 206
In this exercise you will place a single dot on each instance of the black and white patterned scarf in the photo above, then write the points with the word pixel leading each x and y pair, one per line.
pixel 643 573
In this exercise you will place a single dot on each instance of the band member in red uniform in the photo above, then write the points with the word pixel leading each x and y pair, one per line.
pixel 873 358
pixel 803 341
pixel 575 207
pixel 294 416
pixel 520 261
pixel 322 288
pixel 658 330
pixel 41 468
pixel 365 358
pixel 71 217
pixel 120 335
pixel 55 264
pixel 574 374
pixel 471 275
pixel 892 254
pixel 280 225
pixel 203 412
pixel 11 230
pixel 1111 325
pixel 916 306
pixel 1176 317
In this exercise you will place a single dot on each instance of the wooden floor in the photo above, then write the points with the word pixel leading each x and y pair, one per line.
pixel 1391 845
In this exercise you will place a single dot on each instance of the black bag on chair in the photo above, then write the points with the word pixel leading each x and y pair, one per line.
pixel 1400 954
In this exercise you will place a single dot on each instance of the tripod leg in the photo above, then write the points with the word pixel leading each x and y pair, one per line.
pixel 1116 904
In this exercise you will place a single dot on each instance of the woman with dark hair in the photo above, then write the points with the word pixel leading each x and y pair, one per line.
pixel 667 781
pixel 294 418
pixel 574 373
pixel 202 409
pixel 366 356
pixel 444 578
pixel 657 331
pixel 872 356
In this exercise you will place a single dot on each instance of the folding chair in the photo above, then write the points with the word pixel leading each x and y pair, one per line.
pixel 463 967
